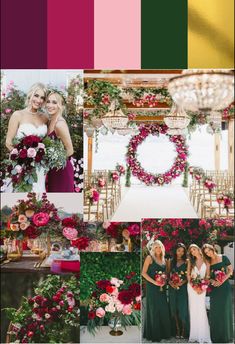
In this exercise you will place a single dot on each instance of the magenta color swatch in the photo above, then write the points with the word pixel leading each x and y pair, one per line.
pixel 23 34
pixel 117 34
pixel 70 34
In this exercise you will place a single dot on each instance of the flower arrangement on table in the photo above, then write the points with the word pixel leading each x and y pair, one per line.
pixel 188 231
pixel 159 179
pixel 77 232
pixel 32 217
pixel 48 316
pixel 125 233
pixel 115 299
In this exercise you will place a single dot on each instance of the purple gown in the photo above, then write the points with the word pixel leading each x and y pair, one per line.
pixel 61 180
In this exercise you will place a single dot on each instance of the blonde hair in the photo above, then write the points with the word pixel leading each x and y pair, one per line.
pixel 59 99
pixel 33 89
pixel 152 250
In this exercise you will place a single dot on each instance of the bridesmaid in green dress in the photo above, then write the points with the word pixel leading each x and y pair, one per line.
pixel 157 325
pixel 178 294
pixel 221 316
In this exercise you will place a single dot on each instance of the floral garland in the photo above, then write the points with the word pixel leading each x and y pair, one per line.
pixel 115 298
pixel 135 166
pixel 49 316
pixel 32 217
pixel 173 231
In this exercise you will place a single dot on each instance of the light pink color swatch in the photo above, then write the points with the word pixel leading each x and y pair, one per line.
pixel 117 28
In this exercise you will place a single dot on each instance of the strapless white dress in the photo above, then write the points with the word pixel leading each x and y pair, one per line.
pixel 199 325
pixel 26 129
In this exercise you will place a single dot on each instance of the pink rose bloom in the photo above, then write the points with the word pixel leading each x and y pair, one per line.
pixel 18 168
pixel 31 153
pixel 22 218
pixel 104 298
pixel 100 312
pixel 41 219
pixel 14 151
pixel 119 306
pixel 106 225
pixel 127 310
pixel 41 145
pixel 70 233
pixel 95 195
pixel 8 110
pixel 24 225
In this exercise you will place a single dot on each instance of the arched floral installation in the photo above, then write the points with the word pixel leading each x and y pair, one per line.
pixel 146 177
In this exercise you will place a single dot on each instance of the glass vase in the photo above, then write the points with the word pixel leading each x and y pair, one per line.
pixel 14 249
pixel 115 325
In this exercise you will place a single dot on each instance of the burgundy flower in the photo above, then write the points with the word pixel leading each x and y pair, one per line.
pixel 13 156
pixel 69 222
pixel 134 229
pixel 103 284
pixel 81 243
pixel 38 157
pixel 125 296
pixel 91 315
pixel 23 154
pixel 112 230
pixel 32 232
pixel 135 289
pixel 31 141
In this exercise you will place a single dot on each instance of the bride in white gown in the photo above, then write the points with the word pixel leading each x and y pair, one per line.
pixel 199 325
pixel 30 121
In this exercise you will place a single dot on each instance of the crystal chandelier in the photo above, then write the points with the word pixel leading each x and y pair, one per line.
pixel 203 89
pixel 176 132
pixel 124 131
pixel 177 118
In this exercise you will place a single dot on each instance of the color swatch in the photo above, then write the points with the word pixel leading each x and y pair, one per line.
pixel 117 34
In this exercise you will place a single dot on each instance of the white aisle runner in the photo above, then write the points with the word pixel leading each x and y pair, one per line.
pixel 140 202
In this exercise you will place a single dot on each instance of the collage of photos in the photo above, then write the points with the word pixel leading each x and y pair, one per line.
pixel 117 206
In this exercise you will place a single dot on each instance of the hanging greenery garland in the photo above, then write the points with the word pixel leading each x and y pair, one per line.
pixel 159 179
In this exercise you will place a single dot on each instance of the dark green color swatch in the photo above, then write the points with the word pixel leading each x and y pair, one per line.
pixel 164 29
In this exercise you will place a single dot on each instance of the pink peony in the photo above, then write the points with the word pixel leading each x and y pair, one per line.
pixel 104 297
pixel 100 312
pixel 70 233
pixel 31 153
pixel 41 219
pixel 127 310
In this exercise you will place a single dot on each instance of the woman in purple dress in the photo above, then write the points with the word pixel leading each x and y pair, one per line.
pixel 59 180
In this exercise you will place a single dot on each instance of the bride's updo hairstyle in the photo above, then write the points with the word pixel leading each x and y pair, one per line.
pixel 192 258
pixel 33 90
pixel 152 250
pixel 59 98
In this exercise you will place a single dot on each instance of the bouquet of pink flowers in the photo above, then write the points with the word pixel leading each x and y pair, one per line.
pixel 25 158
pixel 199 284
pixel 115 298
pixel 92 195
pixel 219 275
pixel 120 169
pixel 209 184
pixel 161 278
pixel 177 277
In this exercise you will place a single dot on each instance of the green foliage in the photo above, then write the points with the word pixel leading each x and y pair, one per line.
pixel 185 180
pixel 98 266
pixel 128 176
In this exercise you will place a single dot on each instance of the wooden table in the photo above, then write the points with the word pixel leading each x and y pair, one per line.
pixel 24 265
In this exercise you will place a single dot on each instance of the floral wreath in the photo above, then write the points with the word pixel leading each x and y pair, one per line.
pixel 138 171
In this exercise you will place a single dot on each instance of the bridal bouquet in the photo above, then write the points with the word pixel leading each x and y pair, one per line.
pixel 32 217
pixel 25 159
pixel 160 278
pixel 199 284
pixel 50 315
pixel 55 154
pixel 114 299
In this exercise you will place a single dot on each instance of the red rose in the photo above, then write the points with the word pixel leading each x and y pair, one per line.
pixel 69 222
pixel 81 243
pixel 91 315
pixel 103 284
pixel 125 296
pixel 30 334
pixel 23 154
pixel 137 306
pixel 135 289
pixel 110 289
pixel 31 140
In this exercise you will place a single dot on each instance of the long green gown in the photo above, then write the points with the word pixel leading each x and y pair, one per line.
pixel 221 316
pixel 157 325
pixel 178 299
